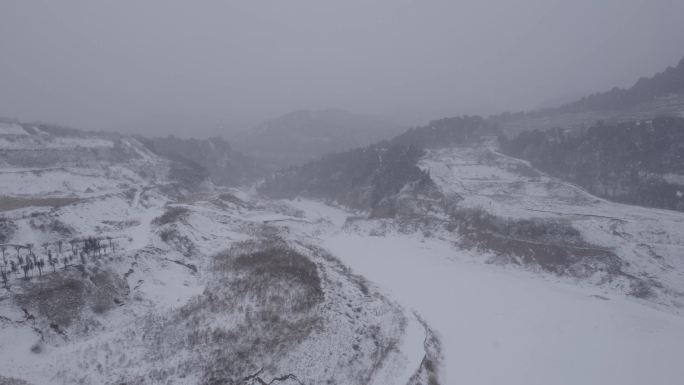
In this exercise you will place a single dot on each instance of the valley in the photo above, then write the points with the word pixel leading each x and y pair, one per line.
pixel 491 263
pixel 312 192
pixel 454 252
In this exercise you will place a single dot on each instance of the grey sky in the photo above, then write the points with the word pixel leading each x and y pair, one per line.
pixel 94 63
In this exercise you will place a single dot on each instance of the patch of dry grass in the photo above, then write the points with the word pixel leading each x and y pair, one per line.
pixel 13 203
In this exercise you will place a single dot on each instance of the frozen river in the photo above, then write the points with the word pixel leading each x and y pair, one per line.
pixel 510 327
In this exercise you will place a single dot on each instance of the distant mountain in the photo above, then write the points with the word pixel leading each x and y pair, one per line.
pixel 624 144
pixel 371 178
pixel 448 132
pixel 560 100
pixel 305 135
pixel 648 98
pixel 225 165
pixel 639 162
pixel 670 81
pixel 182 126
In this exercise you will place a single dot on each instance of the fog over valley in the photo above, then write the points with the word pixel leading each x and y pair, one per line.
pixel 357 193
pixel 115 65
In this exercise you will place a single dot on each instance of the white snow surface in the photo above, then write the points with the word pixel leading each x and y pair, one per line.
pixel 496 324
pixel 507 325
pixel 159 285
pixel 501 327
pixel 650 240
pixel 11 129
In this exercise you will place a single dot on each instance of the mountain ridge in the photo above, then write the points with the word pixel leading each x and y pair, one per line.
pixel 649 97
pixel 303 135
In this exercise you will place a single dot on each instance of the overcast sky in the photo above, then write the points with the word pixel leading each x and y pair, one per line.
pixel 93 64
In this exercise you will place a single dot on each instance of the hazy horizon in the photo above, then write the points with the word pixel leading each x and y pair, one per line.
pixel 105 65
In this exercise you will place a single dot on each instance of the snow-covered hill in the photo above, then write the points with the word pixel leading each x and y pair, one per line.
pixel 499 326
pixel 635 250
pixel 503 316
pixel 134 275
pixel 301 136
pixel 649 98
pixel 491 272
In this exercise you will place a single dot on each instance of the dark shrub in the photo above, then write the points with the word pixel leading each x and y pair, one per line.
pixel 171 215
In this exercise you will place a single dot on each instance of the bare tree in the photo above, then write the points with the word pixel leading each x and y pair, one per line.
pixel 52 262
pixel 91 246
pixel 3 248
pixel 13 267
pixel 4 258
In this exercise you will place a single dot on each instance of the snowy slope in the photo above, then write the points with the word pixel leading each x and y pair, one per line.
pixel 506 327
pixel 399 298
pixel 165 306
pixel 509 323
pixel 502 325
pixel 649 242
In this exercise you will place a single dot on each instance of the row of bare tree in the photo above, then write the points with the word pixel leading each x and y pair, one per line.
pixel 29 262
